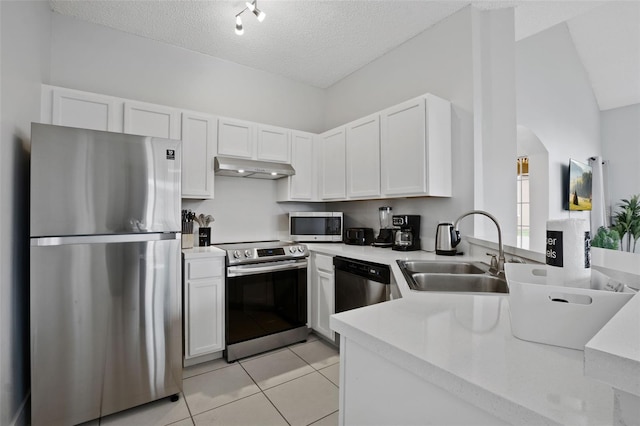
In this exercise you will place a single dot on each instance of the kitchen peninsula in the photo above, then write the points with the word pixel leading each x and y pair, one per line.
pixel 451 359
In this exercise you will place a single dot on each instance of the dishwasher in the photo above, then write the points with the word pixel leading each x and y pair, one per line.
pixel 359 283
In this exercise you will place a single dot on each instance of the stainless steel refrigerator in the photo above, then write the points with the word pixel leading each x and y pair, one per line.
pixel 105 293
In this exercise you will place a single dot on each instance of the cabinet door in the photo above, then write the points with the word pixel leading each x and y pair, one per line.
pixel 85 110
pixel 151 120
pixel 235 138
pixel 199 134
pixel 324 303
pixel 273 144
pixel 403 148
pixel 333 165
pixel 303 184
pixel 363 158
pixel 204 322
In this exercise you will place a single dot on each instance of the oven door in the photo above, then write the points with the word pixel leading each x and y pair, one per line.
pixel 265 299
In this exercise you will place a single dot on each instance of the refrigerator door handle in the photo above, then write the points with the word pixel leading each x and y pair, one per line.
pixel 105 239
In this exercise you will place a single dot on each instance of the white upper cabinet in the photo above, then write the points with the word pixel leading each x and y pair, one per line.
pixel 73 108
pixel 416 148
pixel 272 144
pixel 244 139
pixel 199 133
pixel 235 138
pixel 332 145
pixel 151 120
pixel 363 158
pixel 303 185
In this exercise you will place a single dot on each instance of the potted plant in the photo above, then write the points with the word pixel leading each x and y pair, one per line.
pixel 606 238
pixel 627 222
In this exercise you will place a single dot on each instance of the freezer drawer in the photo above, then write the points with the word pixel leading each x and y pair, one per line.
pixel 106 328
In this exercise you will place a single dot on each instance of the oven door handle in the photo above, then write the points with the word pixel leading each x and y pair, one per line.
pixel 239 271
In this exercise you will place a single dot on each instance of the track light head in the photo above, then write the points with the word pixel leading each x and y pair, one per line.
pixel 259 14
pixel 239 29
pixel 252 6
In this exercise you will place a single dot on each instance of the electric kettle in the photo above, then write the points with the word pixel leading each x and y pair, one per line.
pixel 447 238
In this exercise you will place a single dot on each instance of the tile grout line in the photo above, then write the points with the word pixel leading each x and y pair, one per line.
pixel 316 421
pixel 265 395
pixel 260 390
pixel 208 371
pixel 220 406
pixel 187 404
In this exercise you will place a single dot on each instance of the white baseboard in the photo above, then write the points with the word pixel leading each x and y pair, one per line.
pixel 20 418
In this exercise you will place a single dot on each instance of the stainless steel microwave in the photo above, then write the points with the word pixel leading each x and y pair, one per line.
pixel 315 226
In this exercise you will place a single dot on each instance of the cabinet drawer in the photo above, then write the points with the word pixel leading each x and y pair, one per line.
pixel 324 262
pixel 205 268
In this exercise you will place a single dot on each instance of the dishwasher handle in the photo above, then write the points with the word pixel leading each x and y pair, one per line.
pixel 369 270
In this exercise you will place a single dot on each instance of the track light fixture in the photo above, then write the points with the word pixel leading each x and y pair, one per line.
pixel 239 29
pixel 253 7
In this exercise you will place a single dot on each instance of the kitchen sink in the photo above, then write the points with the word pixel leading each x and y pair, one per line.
pixel 450 276
pixel 472 283
pixel 437 267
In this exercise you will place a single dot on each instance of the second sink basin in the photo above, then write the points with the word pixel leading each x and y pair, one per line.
pixel 458 283
pixel 452 276
pixel 443 267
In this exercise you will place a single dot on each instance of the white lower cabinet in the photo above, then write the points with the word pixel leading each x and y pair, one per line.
pixel 322 294
pixel 203 307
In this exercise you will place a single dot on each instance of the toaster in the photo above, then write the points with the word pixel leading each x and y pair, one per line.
pixel 358 236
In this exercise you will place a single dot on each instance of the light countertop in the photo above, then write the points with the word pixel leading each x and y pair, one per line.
pixel 463 343
pixel 198 252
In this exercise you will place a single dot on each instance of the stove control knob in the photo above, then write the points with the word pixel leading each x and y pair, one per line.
pixel 292 249
pixel 236 254
pixel 247 253
pixel 301 249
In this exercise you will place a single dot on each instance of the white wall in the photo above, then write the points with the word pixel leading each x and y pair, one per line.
pixel 620 130
pixel 25 30
pixel 244 209
pixel 437 61
pixel 98 59
pixel 555 101
pixel 494 140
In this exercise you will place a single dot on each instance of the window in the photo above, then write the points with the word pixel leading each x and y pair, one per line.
pixel 523 203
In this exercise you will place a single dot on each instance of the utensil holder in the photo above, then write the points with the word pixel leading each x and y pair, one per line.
pixel 187 241
pixel 204 236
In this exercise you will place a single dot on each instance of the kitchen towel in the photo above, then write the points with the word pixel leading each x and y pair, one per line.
pixel 569 253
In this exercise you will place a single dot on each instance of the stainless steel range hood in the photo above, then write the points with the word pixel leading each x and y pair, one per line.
pixel 240 167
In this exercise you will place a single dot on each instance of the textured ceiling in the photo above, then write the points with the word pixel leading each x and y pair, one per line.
pixel 319 42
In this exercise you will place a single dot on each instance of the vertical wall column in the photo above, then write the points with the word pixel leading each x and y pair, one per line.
pixel 494 105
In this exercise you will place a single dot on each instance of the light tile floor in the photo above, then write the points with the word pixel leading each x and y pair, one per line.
pixel 297 385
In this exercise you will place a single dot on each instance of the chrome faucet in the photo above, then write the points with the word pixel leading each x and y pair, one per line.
pixel 496 267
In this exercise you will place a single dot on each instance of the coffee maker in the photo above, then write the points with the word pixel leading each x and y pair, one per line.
pixel 408 237
pixel 385 238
